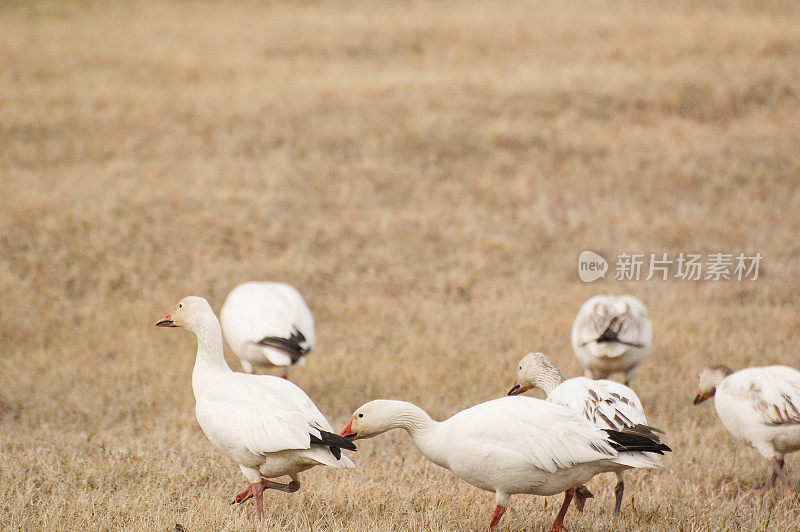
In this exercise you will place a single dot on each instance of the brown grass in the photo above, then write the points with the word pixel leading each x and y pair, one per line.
pixel 426 173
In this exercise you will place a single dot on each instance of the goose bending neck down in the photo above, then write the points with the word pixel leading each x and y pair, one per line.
pixel 607 404
pixel 392 415
pixel 266 424
pixel 513 445
pixel 386 414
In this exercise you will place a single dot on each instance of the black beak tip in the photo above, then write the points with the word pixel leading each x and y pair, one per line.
pixel 514 390
pixel 165 323
pixel 697 400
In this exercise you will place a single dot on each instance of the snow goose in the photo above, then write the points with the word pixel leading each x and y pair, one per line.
pixel 607 404
pixel 267 324
pixel 611 334
pixel 759 405
pixel 513 445
pixel 266 424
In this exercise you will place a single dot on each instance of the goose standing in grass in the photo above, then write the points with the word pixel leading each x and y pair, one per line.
pixel 267 324
pixel 611 334
pixel 513 445
pixel 266 424
pixel 607 404
pixel 760 406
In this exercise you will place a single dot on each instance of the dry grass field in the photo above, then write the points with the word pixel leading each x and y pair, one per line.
pixel 426 174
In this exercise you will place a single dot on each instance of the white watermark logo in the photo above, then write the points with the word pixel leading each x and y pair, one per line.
pixel 591 266
pixel 662 266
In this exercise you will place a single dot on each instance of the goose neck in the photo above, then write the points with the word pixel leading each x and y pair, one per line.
pixel 550 380
pixel 428 436
pixel 210 354
pixel 412 419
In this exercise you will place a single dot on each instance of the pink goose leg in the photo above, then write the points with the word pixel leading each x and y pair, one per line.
pixel 498 513
pixel 257 492
pixel 559 522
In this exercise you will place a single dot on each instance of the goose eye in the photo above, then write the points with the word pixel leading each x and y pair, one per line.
pixel 361 415
pixel 180 305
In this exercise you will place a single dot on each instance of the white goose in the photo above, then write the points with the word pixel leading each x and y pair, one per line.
pixel 267 324
pixel 266 424
pixel 760 406
pixel 611 334
pixel 513 445
pixel 607 404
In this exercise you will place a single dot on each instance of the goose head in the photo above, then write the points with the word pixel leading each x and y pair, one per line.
pixel 189 313
pixel 374 418
pixel 709 378
pixel 535 370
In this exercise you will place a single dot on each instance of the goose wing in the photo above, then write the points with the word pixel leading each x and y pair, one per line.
pixel 544 434
pixel 265 414
pixel 605 403
pixel 774 391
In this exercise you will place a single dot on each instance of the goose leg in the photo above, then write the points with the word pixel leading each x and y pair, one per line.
pixel 256 491
pixel 501 499
pixel 291 487
pixel 498 513
pixel 581 494
pixel 774 474
pixel 258 495
pixel 246 494
pixel 777 471
pixel 259 487
pixel 559 522
pixel 619 489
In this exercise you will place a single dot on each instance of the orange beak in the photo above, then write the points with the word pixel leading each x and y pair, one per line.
pixel 348 433
pixel 516 389
pixel 166 322
pixel 700 397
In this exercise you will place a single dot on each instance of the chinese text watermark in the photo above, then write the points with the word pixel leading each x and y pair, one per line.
pixel 663 266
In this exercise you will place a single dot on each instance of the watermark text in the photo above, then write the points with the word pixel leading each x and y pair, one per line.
pixel 665 266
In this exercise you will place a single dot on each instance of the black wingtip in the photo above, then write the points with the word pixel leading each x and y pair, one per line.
pixel 334 442
pixel 292 345
pixel 641 438
pixel 608 336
